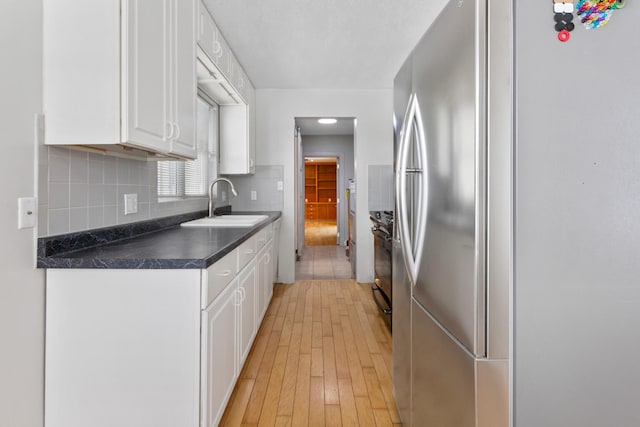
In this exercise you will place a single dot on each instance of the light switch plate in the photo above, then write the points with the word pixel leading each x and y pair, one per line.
pixel 254 195
pixel 280 186
pixel 130 203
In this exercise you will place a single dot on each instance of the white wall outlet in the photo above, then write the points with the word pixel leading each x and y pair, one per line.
pixel 26 212
pixel 130 203
pixel 254 195
pixel 280 186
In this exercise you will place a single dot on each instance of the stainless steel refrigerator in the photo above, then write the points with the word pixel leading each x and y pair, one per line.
pixel 450 340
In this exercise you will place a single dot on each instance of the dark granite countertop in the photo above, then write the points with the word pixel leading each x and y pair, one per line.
pixel 157 244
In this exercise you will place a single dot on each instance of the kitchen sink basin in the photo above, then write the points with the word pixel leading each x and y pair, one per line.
pixel 226 221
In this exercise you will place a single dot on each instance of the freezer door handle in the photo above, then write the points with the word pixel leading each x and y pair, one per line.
pixel 412 244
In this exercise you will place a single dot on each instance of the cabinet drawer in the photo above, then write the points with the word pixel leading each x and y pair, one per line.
pixel 246 252
pixel 218 277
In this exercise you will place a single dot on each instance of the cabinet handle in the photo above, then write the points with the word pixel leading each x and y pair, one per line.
pixel 267 258
pixel 171 130
pixel 225 273
pixel 238 298
pixel 243 294
pixel 249 251
pixel 217 49
pixel 177 127
pixel 261 241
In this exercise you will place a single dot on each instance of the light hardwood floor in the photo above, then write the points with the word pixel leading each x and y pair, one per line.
pixel 322 357
pixel 320 233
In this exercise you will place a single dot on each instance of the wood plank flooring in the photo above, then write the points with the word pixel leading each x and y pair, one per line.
pixel 322 357
pixel 320 233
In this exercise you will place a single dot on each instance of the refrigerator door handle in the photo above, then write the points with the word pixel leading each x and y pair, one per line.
pixel 412 245
pixel 400 181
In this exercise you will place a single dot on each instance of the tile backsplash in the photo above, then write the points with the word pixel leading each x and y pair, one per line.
pixel 380 187
pixel 264 182
pixel 81 190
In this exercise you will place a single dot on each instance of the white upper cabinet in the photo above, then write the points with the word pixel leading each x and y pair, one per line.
pixel 206 31
pixel 120 76
pixel 223 54
pixel 146 43
pixel 237 144
pixel 185 87
pixel 221 76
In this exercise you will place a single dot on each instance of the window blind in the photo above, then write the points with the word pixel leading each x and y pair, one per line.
pixel 171 175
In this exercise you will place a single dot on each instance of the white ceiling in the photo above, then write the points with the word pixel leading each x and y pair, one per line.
pixel 310 126
pixel 323 44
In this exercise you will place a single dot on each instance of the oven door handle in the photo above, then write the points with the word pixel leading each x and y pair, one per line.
pixel 381 234
pixel 376 288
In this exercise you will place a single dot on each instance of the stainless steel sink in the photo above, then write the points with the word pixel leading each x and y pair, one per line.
pixel 226 221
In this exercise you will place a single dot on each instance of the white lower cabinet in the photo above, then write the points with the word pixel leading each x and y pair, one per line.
pixel 161 348
pixel 122 348
pixel 247 307
pixel 219 357
pixel 265 275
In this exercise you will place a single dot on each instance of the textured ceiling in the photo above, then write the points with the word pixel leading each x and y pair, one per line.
pixel 323 44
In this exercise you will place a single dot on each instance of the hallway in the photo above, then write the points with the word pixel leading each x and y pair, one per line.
pixel 321 258
pixel 323 263
pixel 322 356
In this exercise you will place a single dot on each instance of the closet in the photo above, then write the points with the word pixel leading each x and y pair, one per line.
pixel 320 190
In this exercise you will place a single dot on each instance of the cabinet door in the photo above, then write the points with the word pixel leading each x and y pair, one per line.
pixel 248 327
pixel 206 30
pixel 184 85
pixel 222 53
pixel 219 358
pixel 251 111
pixel 234 140
pixel 269 266
pixel 146 94
pixel 265 279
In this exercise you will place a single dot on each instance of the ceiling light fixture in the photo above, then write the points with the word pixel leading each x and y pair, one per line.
pixel 327 121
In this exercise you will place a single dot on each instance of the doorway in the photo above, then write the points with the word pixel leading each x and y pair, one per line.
pixel 325 166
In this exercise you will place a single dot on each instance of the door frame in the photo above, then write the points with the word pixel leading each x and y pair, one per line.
pixel 338 198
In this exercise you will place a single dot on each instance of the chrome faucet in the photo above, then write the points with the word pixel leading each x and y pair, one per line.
pixel 233 191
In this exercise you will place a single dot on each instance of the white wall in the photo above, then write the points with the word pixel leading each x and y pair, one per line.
pixel 21 285
pixel 276 110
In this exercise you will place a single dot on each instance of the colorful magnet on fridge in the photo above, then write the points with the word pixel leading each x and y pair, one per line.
pixel 564 35
pixel 597 13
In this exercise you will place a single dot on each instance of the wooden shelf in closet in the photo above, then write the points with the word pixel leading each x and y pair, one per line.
pixel 320 191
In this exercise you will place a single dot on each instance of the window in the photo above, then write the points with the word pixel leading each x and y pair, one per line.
pixel 192 178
